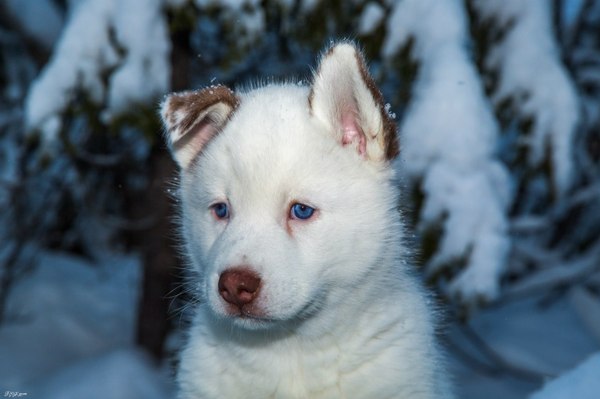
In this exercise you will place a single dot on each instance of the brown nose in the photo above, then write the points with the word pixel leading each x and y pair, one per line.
pixel 239 286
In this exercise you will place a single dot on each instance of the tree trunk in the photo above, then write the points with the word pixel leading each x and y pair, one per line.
pixel 159 258
pixel 159 255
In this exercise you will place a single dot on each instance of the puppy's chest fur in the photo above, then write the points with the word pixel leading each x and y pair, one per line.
pixel 361 364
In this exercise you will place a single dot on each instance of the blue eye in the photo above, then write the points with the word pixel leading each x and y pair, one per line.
pixel 220 210
pixel 301 211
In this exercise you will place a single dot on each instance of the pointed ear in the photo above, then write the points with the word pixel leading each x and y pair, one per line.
pixel 193 118
pixel 345 98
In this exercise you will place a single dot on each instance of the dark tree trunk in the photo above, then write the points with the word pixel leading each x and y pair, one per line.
pixel 159 255
pixel 159 258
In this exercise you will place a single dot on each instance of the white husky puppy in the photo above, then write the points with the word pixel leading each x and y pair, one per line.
pixel 289 217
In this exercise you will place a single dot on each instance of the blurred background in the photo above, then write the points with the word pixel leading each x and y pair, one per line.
pixel 498 108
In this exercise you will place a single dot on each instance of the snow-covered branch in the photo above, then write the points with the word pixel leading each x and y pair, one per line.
pixel 531 74
pixel 448 139
pixel 115 51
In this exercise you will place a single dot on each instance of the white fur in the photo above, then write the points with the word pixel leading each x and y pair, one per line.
pixel 346 319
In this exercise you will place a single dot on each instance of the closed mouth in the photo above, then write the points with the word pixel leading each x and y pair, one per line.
pixel 248 314
pixel 253 321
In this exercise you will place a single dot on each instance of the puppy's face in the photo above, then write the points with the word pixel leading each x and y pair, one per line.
pixel 285 191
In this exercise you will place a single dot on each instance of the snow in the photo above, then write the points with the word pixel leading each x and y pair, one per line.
pixel 41 19
pixel 231 4
pixel 71 331
pixel 175 3
pixel 571 10
pixel 87 50
pixel 144 72
pixel 309 5
pixel 370 19
pixel 543 339
pixel 120 374
pixel 82 52
pixel 587 307
pixel 448 137
pixel 583 382
pixel 248 17
pixel 531 72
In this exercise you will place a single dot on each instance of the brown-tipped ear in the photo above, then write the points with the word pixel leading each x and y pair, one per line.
pixel 345 98
pixel 193 118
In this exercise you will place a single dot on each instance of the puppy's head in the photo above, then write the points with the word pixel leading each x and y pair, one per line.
pixel 287 203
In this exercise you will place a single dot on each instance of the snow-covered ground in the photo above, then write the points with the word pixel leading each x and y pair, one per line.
pixel 547 339
pixel 582 383
pixel 72 327
pixel 70 334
